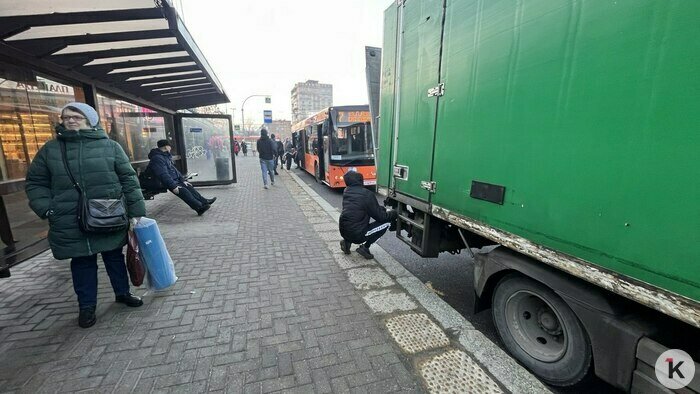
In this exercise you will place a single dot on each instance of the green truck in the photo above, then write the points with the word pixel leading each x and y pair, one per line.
pixel 568 134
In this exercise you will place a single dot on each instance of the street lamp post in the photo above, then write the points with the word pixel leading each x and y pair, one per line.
pixel 243 107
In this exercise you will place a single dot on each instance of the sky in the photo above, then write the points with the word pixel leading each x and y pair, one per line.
pixel 266 46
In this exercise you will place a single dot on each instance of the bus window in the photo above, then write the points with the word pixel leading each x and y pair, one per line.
pixel 311 140
pixel 352 141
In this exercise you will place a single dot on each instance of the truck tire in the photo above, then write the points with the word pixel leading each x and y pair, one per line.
pixel 540 330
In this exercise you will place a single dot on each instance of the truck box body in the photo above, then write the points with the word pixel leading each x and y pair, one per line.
pixel 566 130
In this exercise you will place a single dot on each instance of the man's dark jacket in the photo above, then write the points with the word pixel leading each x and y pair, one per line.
pixel 266 150
pixel 359 204
pixel 163 168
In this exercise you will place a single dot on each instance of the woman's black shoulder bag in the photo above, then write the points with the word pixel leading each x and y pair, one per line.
pixel 97 215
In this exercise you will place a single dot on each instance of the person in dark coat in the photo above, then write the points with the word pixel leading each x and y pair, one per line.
pixel 359 205
pixel 266 152
pixel 102 169
pixel 161 165
pixel 276 151
pixel 244 148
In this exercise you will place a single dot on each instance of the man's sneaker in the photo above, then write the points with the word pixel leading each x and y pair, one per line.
pixel 129 299
pixel 203 209
pixel 364 252
pixel 211 200
pixel 345 246
pixel 265 186
pixel 87 317
pixel 276 173
pixel 272 183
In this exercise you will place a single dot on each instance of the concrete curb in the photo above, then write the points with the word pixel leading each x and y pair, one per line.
pixel 498 363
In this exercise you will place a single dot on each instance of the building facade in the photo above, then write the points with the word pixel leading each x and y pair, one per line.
pixel 280 128
pixel 310 97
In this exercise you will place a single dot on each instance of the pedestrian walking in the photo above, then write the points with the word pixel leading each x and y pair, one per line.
pixel 236 147
pixel 80 167
pixel 266 153
pixel 275 152
pixel 244 148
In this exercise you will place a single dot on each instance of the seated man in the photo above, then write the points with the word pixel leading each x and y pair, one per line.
pixel 360 204
pixel 162 166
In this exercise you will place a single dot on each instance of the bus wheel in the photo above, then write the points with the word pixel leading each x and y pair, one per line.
pixel 541 331
pixel 317 175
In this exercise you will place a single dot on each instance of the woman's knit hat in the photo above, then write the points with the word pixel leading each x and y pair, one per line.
pixel 90 114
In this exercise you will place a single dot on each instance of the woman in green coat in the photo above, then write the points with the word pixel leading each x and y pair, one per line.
pixel 102 169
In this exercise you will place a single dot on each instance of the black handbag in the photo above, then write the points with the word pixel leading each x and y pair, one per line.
pixel 97 215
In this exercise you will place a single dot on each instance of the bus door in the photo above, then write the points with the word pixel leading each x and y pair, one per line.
pixel 320 167
pixel 325 132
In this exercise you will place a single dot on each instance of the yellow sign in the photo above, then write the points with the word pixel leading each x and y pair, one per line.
pixel 354 116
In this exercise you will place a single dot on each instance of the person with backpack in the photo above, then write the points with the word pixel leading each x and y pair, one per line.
pixel 163 169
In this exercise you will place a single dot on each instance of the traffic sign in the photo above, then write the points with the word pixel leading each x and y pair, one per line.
pixel 267 114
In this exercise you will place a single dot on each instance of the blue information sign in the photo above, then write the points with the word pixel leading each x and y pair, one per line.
pixel 267 114
pixel 195 129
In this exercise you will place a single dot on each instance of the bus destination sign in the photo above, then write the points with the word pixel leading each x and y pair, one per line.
pixel 353 116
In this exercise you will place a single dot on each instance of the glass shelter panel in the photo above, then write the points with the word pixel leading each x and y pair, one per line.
pixel 207 144
pixel 137 129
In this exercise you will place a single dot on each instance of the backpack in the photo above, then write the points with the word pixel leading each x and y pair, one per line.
pixel 149 180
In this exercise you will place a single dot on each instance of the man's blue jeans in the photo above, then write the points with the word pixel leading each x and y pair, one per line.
pixel 84 270
pixel 268 168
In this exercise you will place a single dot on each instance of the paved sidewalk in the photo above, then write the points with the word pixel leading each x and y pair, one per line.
pixel 260 306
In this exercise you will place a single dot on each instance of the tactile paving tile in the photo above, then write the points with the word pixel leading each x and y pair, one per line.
pixel 326 227
pixel 351 261
pixel 386 301
pixel 416 333
pixel 330 236
pixel 455 372
pixel 369 278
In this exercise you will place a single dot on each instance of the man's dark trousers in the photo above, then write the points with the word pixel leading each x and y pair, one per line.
pixel 191 196
pixel 375 231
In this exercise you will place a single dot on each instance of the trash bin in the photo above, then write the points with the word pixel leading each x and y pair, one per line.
pixel 223 171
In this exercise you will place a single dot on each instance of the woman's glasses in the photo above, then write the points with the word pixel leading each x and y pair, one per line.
pixel 76 118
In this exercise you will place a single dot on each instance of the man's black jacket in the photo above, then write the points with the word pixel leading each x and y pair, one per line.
pixel 162 167
pixel 360 204
pixel 266 150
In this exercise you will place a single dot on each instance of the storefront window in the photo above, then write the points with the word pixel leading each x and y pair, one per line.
pixel 30 107
pixel 29 110
pixel 137 129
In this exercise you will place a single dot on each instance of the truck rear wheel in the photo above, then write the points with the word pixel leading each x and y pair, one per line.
pixel 541 331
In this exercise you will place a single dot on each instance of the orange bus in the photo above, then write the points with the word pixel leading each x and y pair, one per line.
pixel 335 141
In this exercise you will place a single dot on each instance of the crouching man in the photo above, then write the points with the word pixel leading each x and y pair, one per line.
pixel 359 205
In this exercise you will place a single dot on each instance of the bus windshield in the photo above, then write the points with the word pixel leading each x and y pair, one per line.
pixel 352 141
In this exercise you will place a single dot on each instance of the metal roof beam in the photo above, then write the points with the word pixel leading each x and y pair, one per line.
pixel 78 59
pixel 43 47
pixel 11 25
